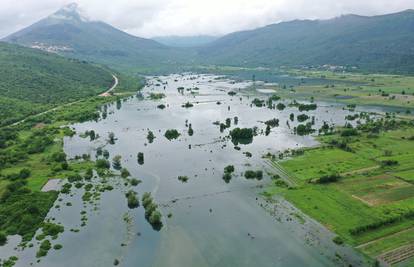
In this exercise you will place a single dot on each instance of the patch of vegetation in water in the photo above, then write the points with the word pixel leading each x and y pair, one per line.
pixel 171 134
pixel 150 137
pixel 258 102
pixel 187 105
pixel 250 174
pixel 152 214
pixel 228 173
pixel 156 96
pixel 140 158
pixel 242 135
pixel 44 248
pixel 304 129
pixel 183 179
pixel 132 199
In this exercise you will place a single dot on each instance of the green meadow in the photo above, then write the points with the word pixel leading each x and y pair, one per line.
pixel 372 202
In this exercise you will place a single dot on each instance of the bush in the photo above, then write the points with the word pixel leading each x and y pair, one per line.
pixel 44 248
pixel 307 107
pixel 302 117
pixel 249 174
pixel 102 164
pixel 3 238
pixel 243 136
pixel 302 129
pixel 125 173
pixel 280 106
pixel 328 179
pixel 390 162
pixel 24 173
pixel 155 218
pixel 187 105
pixel 229 169
pixel 183 179
pixel 135 182
pixel 227 177
pixel 132 199
pixel 338 240
pixel 349 132
pixel 272 123
pixel 171 134
pixel 140 158
pixel 116 162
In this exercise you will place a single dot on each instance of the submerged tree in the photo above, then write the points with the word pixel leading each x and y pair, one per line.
pixel 116 162
pixel 171 134
pixel 140 158
pixel 150 136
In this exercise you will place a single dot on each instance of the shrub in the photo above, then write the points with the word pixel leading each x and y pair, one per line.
pixel 338 240
pixel 3 238
pixel 140 158
pixel 171 134
pixel 102 164
pixel 328 179
pixel 135 182
pixel 24 173
pixel 227 177
pixel 183 179
pixel 125 173
pixel 243 136
pixel 43 249
pixel 280 106
pixel 132 199
pixel 116 162
pixel 249 174
pixel 229 169
pixel 302 117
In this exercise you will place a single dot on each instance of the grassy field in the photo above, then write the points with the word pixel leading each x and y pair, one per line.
pixel 376 185
pixel 354 88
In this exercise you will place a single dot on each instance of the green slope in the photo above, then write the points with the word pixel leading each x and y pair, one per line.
pixel 379 43
pixel 32 81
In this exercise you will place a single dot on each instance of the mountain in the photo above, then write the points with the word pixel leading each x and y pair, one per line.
pixel 33 80
pixel 378 43
pixel 185 41
pixel 70 33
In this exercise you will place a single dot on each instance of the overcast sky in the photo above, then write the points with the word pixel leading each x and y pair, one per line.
pixel 148 18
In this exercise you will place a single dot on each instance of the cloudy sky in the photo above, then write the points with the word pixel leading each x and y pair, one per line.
pixel 150 18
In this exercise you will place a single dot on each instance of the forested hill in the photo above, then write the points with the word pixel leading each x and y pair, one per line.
pixel 32 80
pixel 377 43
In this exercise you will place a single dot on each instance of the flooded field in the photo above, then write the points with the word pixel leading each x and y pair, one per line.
pixel 207 221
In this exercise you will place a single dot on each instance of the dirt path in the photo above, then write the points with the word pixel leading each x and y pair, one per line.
pixel 106 93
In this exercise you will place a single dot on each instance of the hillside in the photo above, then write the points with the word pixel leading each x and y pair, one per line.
pixel 185 41
pixel 33 80
pixel 378 43
pixel 69 33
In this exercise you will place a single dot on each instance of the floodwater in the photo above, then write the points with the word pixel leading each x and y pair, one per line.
pixel 212 223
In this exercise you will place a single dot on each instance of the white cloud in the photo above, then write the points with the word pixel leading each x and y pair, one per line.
pixel 191 17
